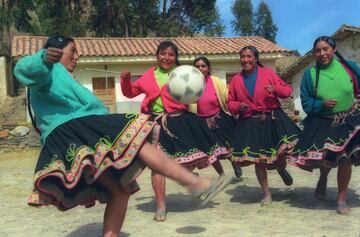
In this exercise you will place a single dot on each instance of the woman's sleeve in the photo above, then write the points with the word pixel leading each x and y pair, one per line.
pixel 310 104
pixel 233 103
pixel 130 89
pixel 356 68
pixel 282 89
pixel 33 71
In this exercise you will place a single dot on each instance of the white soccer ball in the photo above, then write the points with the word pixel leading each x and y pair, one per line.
pixel 186 84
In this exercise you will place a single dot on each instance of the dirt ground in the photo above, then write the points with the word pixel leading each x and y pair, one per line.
pixel 235 212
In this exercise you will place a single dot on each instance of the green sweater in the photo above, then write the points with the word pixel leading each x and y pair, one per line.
pixel 340 89
pixel 56 97
pixel 335 83
pixel 161 77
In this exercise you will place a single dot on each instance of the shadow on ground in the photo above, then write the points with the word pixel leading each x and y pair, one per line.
pixel 174 203
pixel 301 197
pixel 92 230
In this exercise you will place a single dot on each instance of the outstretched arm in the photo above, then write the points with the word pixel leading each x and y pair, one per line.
pixel 35 70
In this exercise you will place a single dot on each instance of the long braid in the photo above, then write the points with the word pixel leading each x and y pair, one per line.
pixel 32 118
pixel 343 61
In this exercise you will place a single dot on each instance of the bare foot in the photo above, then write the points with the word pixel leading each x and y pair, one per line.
pixel 343 209
pixel 266 201
pixel 160 215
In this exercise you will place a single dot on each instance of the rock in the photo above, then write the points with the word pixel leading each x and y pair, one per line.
pixel 20 131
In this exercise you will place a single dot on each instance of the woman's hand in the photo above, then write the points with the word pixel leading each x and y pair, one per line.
pixel 243 107
pixel 270 88
pixel 53 55
pixel 329 103
pixel 125 75
pixel 211 121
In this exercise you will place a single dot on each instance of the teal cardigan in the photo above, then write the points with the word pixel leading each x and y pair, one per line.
pixel 310 104
pixel 56 97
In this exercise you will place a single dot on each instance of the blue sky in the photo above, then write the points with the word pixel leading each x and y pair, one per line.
pixel 300 22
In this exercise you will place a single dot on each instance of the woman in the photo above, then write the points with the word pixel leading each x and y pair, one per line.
pixel 88 154
pixel 182 134
pixel 212 106
pixel 267 134
pixel 330 137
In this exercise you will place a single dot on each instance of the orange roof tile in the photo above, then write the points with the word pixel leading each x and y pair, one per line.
pixel 23 45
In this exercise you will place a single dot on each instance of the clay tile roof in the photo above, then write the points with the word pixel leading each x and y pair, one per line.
pixel 23 45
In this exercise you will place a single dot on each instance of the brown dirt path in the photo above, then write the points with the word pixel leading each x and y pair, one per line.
pixel 236 212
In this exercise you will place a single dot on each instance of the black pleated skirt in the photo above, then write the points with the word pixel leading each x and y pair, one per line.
pixel 77 152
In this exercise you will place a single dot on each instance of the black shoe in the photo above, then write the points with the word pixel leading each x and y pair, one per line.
pixel 286 177
pixel 237 170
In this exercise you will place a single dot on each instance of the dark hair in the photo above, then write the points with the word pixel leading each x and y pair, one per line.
pixel 168 44
pixel 255 51
pixel 331 41
pixel 58 41
pixel 326 39
pixel 205 60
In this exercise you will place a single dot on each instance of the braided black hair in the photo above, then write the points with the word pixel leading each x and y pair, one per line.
pixel 255 51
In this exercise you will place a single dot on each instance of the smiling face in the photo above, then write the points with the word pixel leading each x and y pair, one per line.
pixel 248 60
pixel 166 58
pixel 203 67
pixel 70 57
pixel 324 52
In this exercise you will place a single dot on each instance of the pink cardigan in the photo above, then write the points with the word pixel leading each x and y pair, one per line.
pixel 263 101
pixel 147 84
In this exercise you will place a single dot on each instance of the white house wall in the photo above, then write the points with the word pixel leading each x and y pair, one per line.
pixel 349 48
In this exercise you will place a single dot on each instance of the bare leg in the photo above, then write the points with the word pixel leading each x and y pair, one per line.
pixel 343 178
pixel 116 207
pixel 217 166
pixel 261 175
pixel 158 184
pixel 320 191
pixel 157 161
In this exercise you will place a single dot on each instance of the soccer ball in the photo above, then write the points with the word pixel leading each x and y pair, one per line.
pixel 186 84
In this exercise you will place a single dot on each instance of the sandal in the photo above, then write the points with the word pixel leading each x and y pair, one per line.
pixel 343 209
pixel 286 177
pixel 216 186
pixel 320 191
pixel 265 202
pixel 160 215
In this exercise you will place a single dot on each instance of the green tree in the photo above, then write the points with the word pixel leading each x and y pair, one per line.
pixel 187 17
pixel 243 13
pixel 123 18
pixel 13 14
pixel 65 17
pixel 263 22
